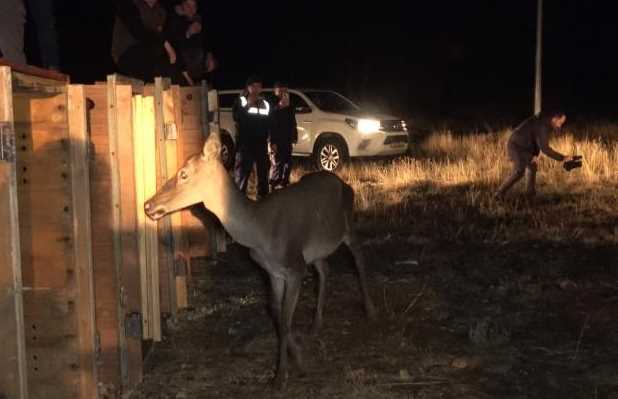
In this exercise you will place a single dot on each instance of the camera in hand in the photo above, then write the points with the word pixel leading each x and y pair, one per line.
pixel 575 162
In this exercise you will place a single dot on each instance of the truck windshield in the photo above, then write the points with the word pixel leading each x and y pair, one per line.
pixel 330 101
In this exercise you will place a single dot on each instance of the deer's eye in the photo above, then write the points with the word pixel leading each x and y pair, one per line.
pixel 183 175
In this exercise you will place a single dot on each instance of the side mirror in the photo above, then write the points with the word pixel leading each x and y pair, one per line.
pixel 303 110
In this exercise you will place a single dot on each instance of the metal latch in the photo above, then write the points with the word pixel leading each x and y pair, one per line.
pixel 170 130
pixel 7 142
pixel 133 325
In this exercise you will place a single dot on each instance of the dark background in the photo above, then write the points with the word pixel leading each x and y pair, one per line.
pixel 466 60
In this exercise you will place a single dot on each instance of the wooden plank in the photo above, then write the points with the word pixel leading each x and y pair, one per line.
pixel 13 371
pixel 138 141
pixel 131 289
pixel 51 305
pixel 106 281
pixel 166 242
pixel 200 239
pixel 35 71
pixel 82 231
pixel 125 227
pixel 171 156
pixel 150 189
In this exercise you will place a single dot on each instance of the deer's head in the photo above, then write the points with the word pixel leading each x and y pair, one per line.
pixel 186 188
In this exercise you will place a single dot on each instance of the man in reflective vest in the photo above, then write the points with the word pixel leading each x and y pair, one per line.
pixel 252 116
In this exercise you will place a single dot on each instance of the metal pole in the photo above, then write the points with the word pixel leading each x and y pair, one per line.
pixel 539 51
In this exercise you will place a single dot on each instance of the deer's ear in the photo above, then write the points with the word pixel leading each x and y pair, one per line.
pixel 212 147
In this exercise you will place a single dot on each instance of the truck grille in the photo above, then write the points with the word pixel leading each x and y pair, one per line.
pixel 393 126
pixel 396 140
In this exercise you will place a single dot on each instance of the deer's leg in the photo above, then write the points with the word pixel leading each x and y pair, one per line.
pixel 355 247
pixel 286 340
pixel 321 267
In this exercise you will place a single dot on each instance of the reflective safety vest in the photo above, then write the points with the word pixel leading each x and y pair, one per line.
pixel 262 108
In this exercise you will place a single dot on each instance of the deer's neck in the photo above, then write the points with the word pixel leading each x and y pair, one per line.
pixel 235 211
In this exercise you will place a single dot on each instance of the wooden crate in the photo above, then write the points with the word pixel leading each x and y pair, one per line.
pixel 84 276
pixel 50 175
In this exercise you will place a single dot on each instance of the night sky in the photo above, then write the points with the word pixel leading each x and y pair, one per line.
pixel 448 59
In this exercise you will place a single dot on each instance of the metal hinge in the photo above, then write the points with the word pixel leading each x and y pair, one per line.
pixel 133 325
pixel 171 131
pixel 7 142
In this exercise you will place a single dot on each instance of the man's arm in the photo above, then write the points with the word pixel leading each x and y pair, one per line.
pixel 542 140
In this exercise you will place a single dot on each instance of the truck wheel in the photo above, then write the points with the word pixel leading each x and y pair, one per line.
pixel 227 151
pixel 330 154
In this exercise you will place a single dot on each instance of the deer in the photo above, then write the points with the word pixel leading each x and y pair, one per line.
pixel 299 225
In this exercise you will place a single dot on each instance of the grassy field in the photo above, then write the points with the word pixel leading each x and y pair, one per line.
pixel 458 175
pixel 477 298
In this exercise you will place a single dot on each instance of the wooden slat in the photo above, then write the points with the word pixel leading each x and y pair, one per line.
pixel 140 166
pixel 200 239
pixel 125 226
pixel 82 230
pixel 35 71
pixel 171 156
pixel 166 243
pixel 13 372
pixel 150 188
pixel 106 288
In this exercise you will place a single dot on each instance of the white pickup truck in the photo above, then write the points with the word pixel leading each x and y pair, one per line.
pixel 331 128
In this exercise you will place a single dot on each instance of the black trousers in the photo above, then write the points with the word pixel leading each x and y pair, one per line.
pixel 248 154
pixel 280 164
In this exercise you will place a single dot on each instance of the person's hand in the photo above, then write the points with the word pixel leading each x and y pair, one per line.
pixel 211 62
pixel 171 53
pixel 194 29
pixel 188 78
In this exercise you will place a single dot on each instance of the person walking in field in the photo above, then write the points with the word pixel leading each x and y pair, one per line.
pixel 527 141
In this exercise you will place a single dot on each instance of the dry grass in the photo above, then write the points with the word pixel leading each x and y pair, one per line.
pixel 452 178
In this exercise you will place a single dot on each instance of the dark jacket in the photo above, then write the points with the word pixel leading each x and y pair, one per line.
pixel 136 23
pixel 532 136
pixel 190 51
pixel 283 125
pixel 252 121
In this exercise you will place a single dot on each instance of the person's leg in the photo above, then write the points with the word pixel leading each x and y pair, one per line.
pixel 242 168
pixel 286 160
pixel 531 178
pixel 262 165
pixel 275 165
pixel 519 169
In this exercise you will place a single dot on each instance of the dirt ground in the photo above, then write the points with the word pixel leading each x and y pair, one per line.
pixel 461 318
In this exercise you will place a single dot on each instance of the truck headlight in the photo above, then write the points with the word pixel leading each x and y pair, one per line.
pixel 366 126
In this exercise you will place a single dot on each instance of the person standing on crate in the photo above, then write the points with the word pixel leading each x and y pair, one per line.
pixel 283 134
pixel 527 141
pixel 252 116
